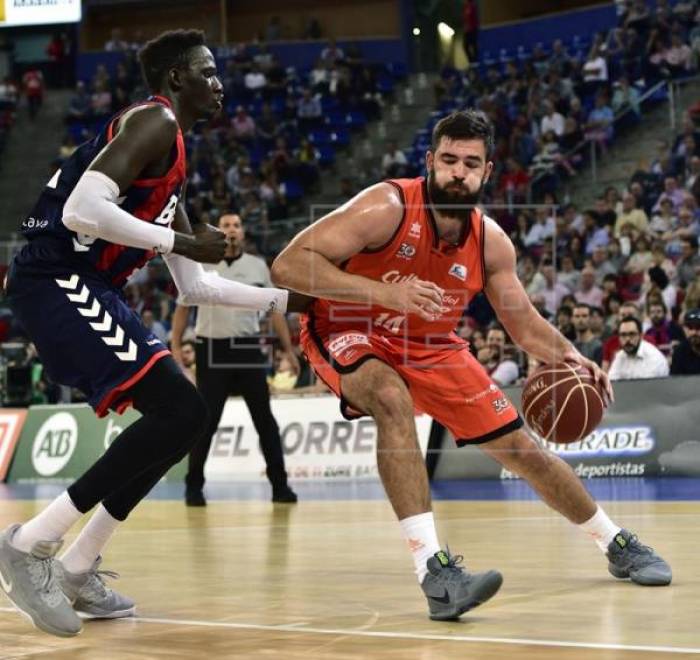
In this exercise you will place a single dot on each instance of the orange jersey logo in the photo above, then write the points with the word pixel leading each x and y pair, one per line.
pixel 413 252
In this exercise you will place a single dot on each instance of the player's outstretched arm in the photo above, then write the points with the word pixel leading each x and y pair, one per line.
pixel 199 287
pixel 310 264
pixel 145 138
pixel 522 321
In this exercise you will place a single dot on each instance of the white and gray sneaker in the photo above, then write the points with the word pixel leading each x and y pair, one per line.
pixel 451 590
pixel 29 580
pixel 90 596
pixel 628 558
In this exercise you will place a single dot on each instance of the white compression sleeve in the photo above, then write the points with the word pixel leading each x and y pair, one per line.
pixel 200 287
pixel 92 209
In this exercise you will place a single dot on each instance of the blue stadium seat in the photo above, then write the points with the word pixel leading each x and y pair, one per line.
pixel 319 137
pixel 277 104
pixel 523 53
pixel 76 130
pixel 355 120
pixel 255 108
pixel 398 70
pixel 293 190
pixel 329 104
pixel 335 118
pixel 340 137
pixel 292 140
pixel 257 154
pixel 505 55
pixel 487 59
pixel 326 155
pixel 385 83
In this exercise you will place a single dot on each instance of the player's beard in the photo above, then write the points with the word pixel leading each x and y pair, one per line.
pixel 452 201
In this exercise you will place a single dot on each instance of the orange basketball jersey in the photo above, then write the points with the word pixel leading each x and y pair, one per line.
pixel 413 252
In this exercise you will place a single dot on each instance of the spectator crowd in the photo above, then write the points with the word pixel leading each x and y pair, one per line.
pixel 631 255
pixel 618 277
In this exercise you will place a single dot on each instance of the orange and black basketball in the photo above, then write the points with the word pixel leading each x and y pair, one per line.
pixel 562 403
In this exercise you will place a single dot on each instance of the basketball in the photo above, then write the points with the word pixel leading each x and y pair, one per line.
pixel 562 403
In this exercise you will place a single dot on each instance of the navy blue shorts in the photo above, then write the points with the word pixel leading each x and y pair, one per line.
pixel 84 331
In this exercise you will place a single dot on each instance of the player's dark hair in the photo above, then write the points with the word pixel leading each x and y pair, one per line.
pixel 166 51
pixel 465 125
pixel 583 305
pixel 631 319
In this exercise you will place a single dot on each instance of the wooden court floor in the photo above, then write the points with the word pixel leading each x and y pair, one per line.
pixel 333 580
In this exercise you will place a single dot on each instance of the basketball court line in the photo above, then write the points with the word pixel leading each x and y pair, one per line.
pixel 370 523
pixel 354 632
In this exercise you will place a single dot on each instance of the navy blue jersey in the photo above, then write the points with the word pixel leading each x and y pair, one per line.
pixel 151 200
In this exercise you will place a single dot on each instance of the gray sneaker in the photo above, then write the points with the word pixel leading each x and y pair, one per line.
pixel 628 558
pixel 29 580
pixel 451 591
pixel 91 597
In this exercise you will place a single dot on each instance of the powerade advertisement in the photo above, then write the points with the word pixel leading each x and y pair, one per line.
pixel 653 428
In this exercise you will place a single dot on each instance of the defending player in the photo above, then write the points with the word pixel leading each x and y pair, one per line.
pixel 113 205
pixel 400 262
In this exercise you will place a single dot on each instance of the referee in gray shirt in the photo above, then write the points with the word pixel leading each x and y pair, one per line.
pixel 230 361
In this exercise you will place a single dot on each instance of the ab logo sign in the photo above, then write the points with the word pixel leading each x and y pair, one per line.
pixel 54 444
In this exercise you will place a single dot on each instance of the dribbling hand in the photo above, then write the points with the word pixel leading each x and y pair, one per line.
pixel 415 297
pixel 601 378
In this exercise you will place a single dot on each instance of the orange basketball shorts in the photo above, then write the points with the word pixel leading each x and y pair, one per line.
pixel 445 380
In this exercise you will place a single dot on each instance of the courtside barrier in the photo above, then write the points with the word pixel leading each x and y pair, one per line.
pixel 652 429
pixel 11 420
pixel 58 443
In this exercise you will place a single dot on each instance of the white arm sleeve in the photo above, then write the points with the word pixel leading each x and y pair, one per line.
pixel 200 287
pixel 92 209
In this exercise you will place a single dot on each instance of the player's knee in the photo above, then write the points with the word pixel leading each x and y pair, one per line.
pixel 175 406
pixel 195 411
pixel 522 453
pixel 391 402
pixel 187 416
pixel 198 411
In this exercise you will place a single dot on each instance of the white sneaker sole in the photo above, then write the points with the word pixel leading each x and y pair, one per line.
pixel 39 626
pixel 118 614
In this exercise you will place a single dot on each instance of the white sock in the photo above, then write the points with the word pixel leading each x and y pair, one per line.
pixel 83 552
pixel 419 532
pixel 50 525
pixel 601 529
